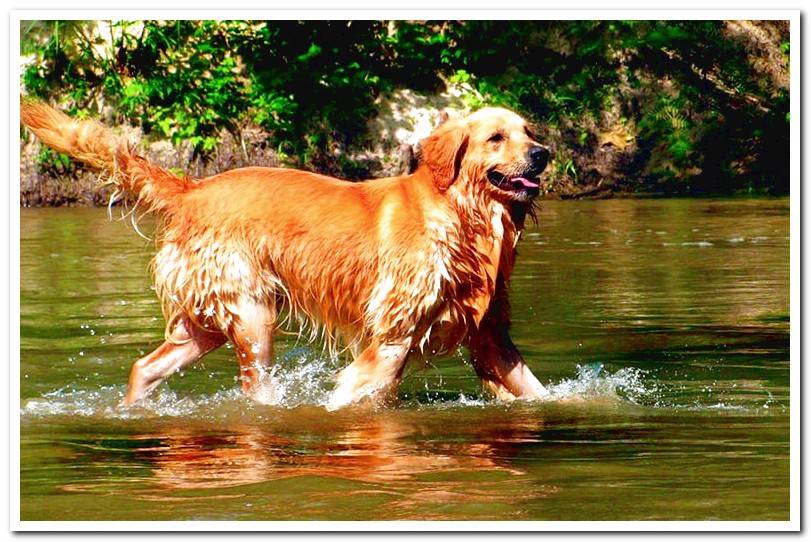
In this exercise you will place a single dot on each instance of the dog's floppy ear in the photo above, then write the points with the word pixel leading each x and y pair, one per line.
pixel 442 152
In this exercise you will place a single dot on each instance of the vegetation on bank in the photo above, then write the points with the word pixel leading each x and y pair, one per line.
pixel 673 107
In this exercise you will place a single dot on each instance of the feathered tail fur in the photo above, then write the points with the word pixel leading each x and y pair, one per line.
pixel 94 144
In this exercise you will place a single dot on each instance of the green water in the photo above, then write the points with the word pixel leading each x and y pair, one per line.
pixel 661 327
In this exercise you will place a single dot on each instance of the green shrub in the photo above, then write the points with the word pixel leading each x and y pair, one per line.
pixel 313 85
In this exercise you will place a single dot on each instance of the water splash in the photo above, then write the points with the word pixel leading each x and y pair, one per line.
pixel 105 402
pixel 630 385
pixel 592 385
pixel 305 378
pixel 593 382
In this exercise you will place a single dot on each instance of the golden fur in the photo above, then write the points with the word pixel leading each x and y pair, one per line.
pixel 390 269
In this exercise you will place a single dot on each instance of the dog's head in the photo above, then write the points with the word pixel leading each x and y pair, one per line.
pixel 493 149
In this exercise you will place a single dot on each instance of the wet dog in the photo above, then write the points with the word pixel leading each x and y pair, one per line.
pixel 388 269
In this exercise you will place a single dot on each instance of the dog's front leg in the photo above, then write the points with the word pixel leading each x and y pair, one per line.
pixel 497 361
pixel 374 374
pixel 502 370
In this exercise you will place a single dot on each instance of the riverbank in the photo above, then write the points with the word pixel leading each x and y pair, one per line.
pixel 50 180
pixel 675 108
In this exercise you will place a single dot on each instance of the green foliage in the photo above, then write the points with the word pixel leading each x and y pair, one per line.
pixel 313 85
pixel 55 163
pixel 667 123
pixel 563 168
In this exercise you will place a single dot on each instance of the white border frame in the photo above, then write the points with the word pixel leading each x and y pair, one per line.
pixel 793 524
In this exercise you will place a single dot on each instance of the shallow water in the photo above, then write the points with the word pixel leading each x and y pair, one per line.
pixel 661 327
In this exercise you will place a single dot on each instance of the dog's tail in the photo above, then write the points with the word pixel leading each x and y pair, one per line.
pixel 92 143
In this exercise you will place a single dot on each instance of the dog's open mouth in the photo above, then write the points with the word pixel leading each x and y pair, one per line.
pixel 526 183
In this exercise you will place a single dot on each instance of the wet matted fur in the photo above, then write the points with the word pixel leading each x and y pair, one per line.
pixel 388 269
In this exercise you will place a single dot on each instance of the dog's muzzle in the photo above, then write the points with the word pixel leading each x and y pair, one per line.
pixel 527 181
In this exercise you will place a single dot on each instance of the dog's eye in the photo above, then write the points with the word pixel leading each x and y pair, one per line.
pixel 495 138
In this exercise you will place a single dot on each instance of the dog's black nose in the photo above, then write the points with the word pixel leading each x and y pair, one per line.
pixel 539 157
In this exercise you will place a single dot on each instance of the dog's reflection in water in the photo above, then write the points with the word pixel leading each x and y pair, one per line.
pixel 411 459
pixel 383 447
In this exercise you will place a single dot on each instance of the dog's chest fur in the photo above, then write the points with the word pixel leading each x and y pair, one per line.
pixel 439 290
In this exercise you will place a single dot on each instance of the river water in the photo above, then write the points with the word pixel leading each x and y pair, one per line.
pixel 661 327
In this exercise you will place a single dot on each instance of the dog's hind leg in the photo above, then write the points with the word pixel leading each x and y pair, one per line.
pixel 187 344
pixel 374 374
pixel 252 337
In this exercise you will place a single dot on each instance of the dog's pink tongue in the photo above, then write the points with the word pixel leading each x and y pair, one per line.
pixel 524 183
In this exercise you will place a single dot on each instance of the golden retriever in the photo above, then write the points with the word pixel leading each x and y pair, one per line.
pixel 390 269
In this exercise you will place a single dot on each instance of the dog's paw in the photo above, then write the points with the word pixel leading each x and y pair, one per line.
pixel 341 397
pixel 266 392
